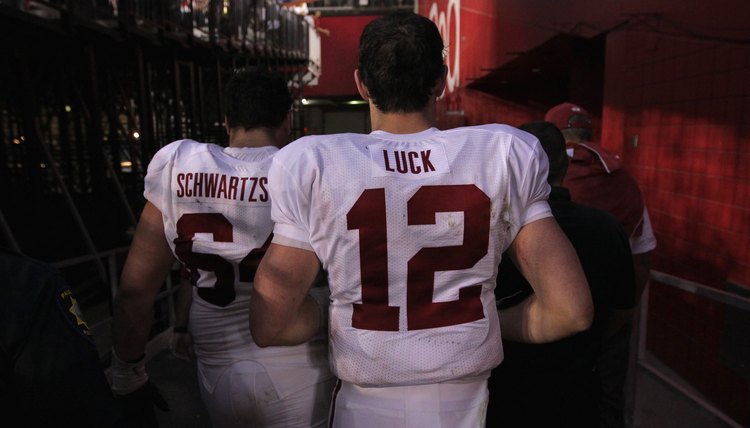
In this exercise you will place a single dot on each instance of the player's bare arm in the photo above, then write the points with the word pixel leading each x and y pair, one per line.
pixel 148 264
pixel 281 311
pixel 561 304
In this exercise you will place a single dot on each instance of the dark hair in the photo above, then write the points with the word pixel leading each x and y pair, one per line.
pixel 256 98
pixel 553 143
pixel 400 61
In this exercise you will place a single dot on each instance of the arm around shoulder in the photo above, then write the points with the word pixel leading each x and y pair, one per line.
pixel 561 304
pixel 281 310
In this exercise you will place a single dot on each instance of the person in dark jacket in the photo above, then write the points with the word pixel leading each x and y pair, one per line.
pixel 556 384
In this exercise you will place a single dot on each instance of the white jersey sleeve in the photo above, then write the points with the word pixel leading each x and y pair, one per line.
pixel 291 188
pixel 158 180
pixel 410 229
pixel 528 166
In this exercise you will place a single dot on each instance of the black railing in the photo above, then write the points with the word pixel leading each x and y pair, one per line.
pixel 263 27
pixel 730 303
pixel 90 90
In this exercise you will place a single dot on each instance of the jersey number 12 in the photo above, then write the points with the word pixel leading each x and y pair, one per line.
pixel 368 215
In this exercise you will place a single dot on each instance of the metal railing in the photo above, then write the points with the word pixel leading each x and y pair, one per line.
pixel 671 379
pixel 112 260
pixel 259 27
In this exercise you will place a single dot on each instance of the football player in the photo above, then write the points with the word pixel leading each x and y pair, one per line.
pixel 209 207
pixel 410 223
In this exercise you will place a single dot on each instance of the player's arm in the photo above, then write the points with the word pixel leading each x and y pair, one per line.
pixel 561 304
pixel 148 263
pixel 147 266
pixel 182 341
pixel 281 311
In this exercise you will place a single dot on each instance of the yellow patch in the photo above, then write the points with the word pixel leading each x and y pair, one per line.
pixel 74 314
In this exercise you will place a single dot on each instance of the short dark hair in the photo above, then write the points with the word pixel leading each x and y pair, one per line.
pixel 256 98
pixel 400 61
pixel 553 143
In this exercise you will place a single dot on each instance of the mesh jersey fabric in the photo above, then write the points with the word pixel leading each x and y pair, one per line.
pixel 410 228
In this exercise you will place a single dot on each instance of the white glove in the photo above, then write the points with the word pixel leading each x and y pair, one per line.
pixel 127 377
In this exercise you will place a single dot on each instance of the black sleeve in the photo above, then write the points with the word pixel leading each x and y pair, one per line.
pixel 511 286
pixel 604 251
pixel 51 374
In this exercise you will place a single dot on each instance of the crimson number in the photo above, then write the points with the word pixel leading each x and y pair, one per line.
pixel 222 293
pixel 368 215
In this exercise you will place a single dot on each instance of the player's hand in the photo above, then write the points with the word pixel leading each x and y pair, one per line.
pixel 137 407
pixel 181 346
pixel 135 394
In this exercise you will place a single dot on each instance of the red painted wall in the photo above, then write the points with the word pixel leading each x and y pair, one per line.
pixel 687 100
pixel 677 76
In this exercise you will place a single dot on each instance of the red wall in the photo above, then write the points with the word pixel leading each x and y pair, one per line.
pixel 677 76
pixel 485 108
pixel 688 102
pixel 339 56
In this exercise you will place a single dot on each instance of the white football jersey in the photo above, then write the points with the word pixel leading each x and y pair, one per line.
pixel 411 229
pixel 216 210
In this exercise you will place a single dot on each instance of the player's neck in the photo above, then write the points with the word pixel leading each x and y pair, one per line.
pixel 403 123
pixel 256 137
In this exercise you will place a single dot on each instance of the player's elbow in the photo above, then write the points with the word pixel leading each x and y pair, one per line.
pixel 262 341
pixel 580 313
pixel 261 335
pixel 584 319
pixel 571 315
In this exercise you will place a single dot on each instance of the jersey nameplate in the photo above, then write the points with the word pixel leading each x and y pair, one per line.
pixel 413 162
pixel 218 187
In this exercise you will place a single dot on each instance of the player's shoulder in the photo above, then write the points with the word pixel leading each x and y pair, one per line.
pixel 487 127
pixel 182 146
pixel 169 152
pixel 311 143
pixel 499 132
pixel 308 141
